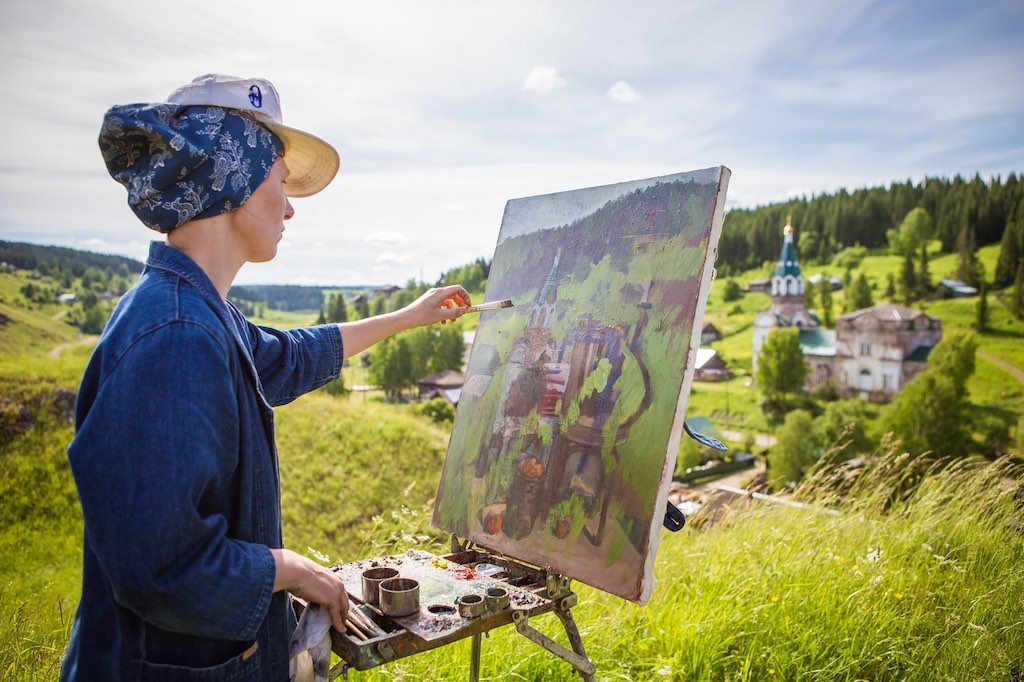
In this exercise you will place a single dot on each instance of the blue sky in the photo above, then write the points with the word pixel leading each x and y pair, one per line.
pixel 444 110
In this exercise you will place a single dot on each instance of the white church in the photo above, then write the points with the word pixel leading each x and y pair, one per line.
pixel 871 353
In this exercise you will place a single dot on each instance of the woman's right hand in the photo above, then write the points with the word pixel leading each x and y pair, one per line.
pixel 311 582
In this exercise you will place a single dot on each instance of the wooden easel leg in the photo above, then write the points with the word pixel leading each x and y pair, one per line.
pixel 474 658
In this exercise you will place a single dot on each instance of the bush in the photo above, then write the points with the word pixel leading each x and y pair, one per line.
pixel 732 291
pixel 850 257
pixel 439 410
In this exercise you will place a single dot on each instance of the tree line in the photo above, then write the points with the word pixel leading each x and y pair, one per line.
pixel 60 262
pixel 966 214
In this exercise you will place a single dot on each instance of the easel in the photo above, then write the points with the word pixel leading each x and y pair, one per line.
pixel 399 642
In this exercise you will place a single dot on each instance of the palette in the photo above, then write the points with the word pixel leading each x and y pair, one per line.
pixel 443 582
pixel 498 591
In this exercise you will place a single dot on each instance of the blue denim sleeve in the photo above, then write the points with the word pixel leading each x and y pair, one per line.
pixel 153 459
pixel 294 362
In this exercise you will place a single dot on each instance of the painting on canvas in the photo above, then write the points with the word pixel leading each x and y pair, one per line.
pixel 569 420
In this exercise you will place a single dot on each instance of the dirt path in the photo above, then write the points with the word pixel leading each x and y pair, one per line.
pixel 760 439
pixel 55 353
pixel 1015 372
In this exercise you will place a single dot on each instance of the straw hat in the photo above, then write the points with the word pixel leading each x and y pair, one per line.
pixel 312 163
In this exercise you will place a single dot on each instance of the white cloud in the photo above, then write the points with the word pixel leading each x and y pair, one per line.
pixel 543 79
pixel 392 257
pixel 386 238
pixel 622 92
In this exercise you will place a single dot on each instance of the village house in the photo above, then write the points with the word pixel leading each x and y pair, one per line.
pixel 710 366
pixel 709 334
pixel 871 353
pixel 446 384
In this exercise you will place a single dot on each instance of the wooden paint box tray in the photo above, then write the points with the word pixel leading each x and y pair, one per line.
pixel 444 581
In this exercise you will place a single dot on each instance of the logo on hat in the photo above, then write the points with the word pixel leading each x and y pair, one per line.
pixel 255 96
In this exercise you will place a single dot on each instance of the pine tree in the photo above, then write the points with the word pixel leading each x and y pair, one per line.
pixel 967 262
pixel 336 311
pixel 908 279
pixel 825 292
pixel 1011 248
pixel 981 320
pixel 858 295
pixel 924 278
pixel 362 308
pixel 1017 301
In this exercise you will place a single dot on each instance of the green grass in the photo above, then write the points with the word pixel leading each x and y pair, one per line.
pixel 346 461
pixel 926 587
pixel 930 588
pixel 922 587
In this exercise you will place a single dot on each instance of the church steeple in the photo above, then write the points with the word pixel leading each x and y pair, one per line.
pixel 788 280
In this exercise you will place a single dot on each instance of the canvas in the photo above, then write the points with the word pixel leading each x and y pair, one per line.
pixel 568 424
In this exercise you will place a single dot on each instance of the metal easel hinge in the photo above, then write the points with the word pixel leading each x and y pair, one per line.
pixel 556 585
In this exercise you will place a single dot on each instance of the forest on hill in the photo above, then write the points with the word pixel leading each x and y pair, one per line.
pixel 965 214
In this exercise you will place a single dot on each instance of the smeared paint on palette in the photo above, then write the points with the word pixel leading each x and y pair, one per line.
pixel 442 584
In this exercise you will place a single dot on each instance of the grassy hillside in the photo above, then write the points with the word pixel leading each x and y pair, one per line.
pixel 915 587
pixel 893 586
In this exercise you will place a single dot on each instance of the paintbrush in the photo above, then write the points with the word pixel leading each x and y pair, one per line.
pixel 491 305
pixel 365 622
pixel 351 627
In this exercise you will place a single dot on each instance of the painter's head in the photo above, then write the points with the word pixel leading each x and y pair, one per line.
pixel 207 149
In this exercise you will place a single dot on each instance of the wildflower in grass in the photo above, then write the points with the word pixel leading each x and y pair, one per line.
pixel 874 555
pixel 898 596
pixel 664 671
pixel 775 598
pixel 771 671
pixel 856 568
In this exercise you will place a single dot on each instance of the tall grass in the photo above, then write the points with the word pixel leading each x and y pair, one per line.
pixel 917 576
pixel 33 633
pixel 899 585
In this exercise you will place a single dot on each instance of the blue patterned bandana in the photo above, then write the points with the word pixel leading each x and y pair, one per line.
pixel 180 163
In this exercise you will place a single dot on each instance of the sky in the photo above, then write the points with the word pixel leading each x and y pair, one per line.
pixel 444 110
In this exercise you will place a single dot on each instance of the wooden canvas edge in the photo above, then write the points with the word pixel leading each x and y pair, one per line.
pixel 707 276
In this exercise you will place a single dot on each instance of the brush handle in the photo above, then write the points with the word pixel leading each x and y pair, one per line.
pixel 491 305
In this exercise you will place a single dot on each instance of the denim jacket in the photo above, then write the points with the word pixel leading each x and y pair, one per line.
pixel 176 468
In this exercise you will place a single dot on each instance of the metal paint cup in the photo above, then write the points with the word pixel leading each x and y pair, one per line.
pixel 372 578
pixel 399 597
pixel 497 598
pixel 471 605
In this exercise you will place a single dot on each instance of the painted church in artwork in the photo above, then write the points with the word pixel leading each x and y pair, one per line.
pixel 872 353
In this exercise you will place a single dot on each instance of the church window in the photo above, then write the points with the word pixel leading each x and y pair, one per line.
pixel 865 348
